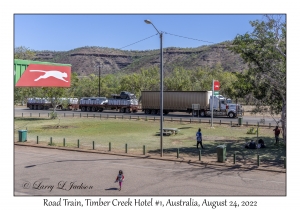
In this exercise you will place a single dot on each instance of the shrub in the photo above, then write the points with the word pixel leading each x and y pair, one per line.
pixel 252 130
pixel 53 115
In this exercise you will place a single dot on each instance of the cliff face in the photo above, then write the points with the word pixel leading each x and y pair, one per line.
pixel 86 60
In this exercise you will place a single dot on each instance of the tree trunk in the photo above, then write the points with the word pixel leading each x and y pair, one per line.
pixel 283 121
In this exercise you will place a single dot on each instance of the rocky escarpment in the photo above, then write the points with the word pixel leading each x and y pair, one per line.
pixel 86 60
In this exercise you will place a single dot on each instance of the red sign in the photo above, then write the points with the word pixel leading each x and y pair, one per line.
pixel 38 75
pixel 216 85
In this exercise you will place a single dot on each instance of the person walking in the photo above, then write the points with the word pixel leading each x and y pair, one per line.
pixel 277 132
pixel 120 178
pixel 199 138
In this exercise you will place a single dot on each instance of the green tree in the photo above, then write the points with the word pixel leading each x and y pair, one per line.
pixel 131 83
pixel 178 80
pixel 23 53
pixel 265 52
pixel 54 94
pixel 202 79
pixel 110 84
pixel 227 80
pixel 87 86
pixel 22 93
pixel 72 91
pixel 237 85
pixel 150 79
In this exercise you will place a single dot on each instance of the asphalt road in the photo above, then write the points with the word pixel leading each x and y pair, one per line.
pixel 251 120
pixel 52 172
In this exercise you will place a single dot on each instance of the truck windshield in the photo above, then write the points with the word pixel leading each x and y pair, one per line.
pixel 132 96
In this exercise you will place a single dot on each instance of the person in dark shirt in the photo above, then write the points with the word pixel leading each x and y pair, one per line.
pixel 252 145
pixel 276 132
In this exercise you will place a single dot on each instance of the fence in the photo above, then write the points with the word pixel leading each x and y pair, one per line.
pixel 231 121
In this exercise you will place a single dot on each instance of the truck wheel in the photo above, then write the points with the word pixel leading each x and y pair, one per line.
pixel 101 110
pixel 128 110
pixel 147 111
pixel 83 108
pixel 88 109
pixel 93 109
pixel 153 111
pixel 231 115
pixel 202 114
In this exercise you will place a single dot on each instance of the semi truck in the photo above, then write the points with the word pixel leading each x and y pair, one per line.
pixel 196 102
pixel 125 102
pixel 46 103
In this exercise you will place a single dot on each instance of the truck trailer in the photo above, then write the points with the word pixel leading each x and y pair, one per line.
pixel 124 102
pixel 46 103
pixel 196 102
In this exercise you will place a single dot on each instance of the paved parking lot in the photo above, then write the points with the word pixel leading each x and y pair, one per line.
pixel 49 172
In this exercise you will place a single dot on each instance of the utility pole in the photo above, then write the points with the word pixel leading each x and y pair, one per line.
pixel 99 80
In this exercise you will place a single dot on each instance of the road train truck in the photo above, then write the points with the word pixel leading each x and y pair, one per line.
pixel 196 102
pixel 46 103
pixel 125 102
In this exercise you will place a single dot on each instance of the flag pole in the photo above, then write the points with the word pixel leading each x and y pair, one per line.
pixel 212 105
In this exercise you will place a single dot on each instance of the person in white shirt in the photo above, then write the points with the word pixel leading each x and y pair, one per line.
pixel 120 178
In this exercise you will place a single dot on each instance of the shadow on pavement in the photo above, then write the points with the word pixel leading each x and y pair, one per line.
pixel 112 188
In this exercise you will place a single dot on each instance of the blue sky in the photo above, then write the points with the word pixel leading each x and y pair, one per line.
pixel 66 32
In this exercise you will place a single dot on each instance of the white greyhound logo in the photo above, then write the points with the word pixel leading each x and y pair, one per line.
pixel 53 73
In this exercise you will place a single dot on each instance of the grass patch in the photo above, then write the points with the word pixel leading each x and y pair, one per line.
pixel 136 133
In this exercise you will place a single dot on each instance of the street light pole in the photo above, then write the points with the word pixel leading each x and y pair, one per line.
pixel 99 81
pixel 161 87
pixel 99 66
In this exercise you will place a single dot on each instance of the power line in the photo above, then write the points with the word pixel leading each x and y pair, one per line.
pixel 169 34
pixel 138 41
pixel 165 33
pixel 188 37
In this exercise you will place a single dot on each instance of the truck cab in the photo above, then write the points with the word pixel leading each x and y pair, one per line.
pixel 234 110
pixel 221 107
pixel 219 103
